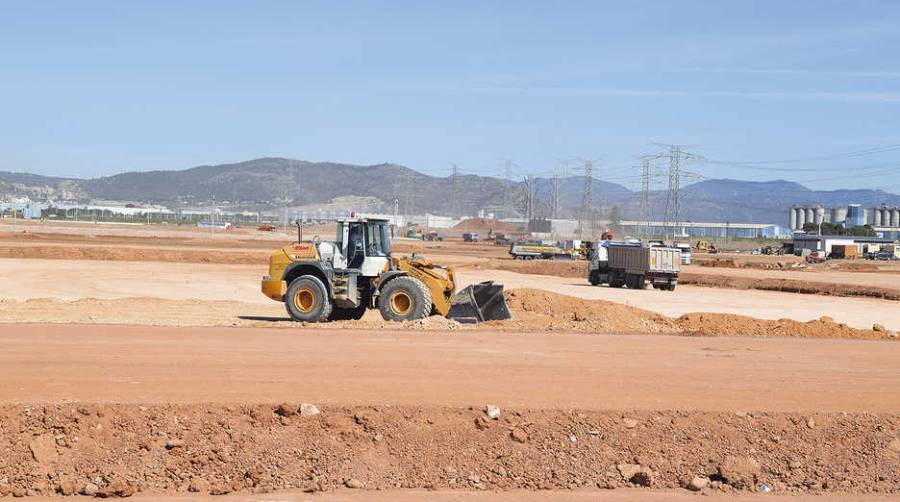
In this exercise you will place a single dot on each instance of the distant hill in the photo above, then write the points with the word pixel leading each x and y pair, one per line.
pixel 278 182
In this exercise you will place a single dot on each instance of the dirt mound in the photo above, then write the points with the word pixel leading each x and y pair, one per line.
pixel 217 449
pixel 543 310
pixel 538 309
pixel 704 323
pixel 532 310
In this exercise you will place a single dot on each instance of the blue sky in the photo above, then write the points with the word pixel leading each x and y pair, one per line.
pixel 95 88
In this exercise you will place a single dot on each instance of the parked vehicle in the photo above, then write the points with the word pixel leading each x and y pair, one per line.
pixel 685 253
pixel 815 257
pixel 886 255
pixel 626 264
pixel 538 251
pixel 470 237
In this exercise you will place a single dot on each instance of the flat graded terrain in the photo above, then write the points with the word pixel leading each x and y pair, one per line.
pixel 124 364
pixel 144 361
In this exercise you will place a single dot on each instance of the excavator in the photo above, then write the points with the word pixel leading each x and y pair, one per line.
pixel 322 281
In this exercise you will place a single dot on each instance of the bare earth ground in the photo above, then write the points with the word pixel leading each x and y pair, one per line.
pixel 72 280
pixel 412 495
pixel 197 407
pixel 133 364
pixel 402 410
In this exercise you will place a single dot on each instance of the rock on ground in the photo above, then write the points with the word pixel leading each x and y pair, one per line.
pixel 740 472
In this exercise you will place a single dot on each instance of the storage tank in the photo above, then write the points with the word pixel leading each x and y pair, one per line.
pixel 895 217
pixel 866 214
pixel 876 217
pixel 820 215
pixel 810 215
pixel 840 215
pixel 801 218
pixel 793 217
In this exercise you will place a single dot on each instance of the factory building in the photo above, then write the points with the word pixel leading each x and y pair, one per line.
pixel 827 242
pixel 884 219
pixel 706 230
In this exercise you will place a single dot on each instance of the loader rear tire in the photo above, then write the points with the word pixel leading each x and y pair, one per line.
pixel 307 300
pixel 404 299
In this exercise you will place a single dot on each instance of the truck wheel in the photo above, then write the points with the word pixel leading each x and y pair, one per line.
pixel 307 300
pixel 671 287
pixel 594 278
pixel 616 283
pixel 640 282
pixel 404 299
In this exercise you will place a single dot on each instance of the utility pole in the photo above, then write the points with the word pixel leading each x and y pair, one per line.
pixel 554 195
pixel 454 203
pixel 508 199
pixel 529 198
pixel 586 197
pixel 408 197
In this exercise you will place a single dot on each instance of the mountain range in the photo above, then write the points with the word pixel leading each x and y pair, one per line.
pixel 270 183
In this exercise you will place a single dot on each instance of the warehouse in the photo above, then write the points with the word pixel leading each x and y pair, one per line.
pixel 706 230
pixel 827 242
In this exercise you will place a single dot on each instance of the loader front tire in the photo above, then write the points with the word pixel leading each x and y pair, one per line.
pixel 404 299
pixel 307 300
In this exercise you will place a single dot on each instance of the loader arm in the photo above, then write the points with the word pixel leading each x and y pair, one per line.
pixel 440 281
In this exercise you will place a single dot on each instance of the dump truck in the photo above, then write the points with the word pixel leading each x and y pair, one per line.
pixel 631 264
pixel 339 280
pixel 538 251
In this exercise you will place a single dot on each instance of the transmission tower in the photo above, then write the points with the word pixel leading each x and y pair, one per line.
pixel 645 191
pixel 586 196
pixel 554 195
pixel 530 198
pixel 673 193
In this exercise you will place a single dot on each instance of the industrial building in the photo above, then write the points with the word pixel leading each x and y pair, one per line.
pixel 826 242
pixel 707 230
pixel 884 219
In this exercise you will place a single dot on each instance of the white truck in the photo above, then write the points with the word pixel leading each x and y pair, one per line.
pixel 631 264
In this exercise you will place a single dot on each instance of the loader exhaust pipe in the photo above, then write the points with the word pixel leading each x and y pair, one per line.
pixel 479 302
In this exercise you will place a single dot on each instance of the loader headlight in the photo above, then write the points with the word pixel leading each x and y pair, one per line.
pixel 267 278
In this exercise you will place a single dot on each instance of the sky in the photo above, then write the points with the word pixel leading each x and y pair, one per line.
pixel 94 88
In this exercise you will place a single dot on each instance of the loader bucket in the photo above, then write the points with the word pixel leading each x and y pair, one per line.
pixel 479 302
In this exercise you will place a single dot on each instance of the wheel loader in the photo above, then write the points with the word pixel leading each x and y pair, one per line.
pixel 338 280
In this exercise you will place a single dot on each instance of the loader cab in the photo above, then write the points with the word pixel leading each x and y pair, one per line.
pixel 365 244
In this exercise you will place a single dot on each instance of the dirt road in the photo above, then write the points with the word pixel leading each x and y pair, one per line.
pixel 857 312
pixel 25 279
pixel 41 363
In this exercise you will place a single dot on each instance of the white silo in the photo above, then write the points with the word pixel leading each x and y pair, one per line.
pixel 895 217
pixel 810 215
pixel 801 218
pixel 876 217
pixel 840 215
pixel 820 215
pixel 793 217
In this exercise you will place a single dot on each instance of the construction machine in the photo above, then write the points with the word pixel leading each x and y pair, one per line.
pixel 705 246
pixel 338 280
